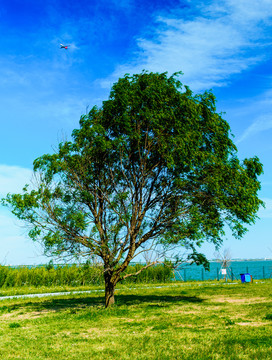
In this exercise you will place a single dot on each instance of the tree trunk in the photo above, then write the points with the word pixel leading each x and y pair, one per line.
pixel 109 291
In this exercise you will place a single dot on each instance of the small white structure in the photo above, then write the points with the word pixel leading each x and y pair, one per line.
pixel 225 260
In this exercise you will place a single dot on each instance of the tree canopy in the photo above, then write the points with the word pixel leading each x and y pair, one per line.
pixel 155 164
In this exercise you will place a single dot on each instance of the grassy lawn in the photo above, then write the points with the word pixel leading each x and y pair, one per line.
pixel 208 320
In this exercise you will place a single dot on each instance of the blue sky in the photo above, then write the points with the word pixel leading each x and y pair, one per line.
pixel 223 45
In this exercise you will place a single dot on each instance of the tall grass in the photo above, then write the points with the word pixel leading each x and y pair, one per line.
pixel 75 275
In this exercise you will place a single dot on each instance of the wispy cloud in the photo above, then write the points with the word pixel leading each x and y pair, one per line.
pixel 13 179
pixel 259 113
pixel 261 123
pixel 42 93
pixel 16 248
pixel 220 39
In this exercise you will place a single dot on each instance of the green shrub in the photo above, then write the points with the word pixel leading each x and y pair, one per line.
pixel 76 275
pixel 268 317
pixel 14 325
pixel 229 322
pixel 3 274
pixel 154 274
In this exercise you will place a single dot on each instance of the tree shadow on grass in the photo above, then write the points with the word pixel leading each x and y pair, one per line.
pixel 80 302
pixel 156 300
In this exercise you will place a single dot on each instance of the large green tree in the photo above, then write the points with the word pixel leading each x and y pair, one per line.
pixel 155 164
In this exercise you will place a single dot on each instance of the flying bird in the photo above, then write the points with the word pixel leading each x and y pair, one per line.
pixel 64 46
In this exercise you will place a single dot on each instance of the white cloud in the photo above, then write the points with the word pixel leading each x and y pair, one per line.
pixel 259 111
pixel 261 123
pixel 13 178
pixel 226 38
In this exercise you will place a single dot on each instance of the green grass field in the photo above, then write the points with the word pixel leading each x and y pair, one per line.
pixel 208 320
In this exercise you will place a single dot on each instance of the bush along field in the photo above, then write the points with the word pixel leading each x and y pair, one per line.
pixel 76 275
pixel 197 320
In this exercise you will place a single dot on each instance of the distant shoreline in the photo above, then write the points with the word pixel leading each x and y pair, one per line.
pixel 210 260
pixel 232 260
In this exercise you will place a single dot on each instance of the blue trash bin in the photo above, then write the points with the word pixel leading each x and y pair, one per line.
pixel 246 278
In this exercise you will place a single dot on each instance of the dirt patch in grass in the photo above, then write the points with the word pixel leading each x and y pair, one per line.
pixel 239 300
pixel 184 311
pixel 95 329
pixel 253 323
pixel 29 315
pixel 185 326
pixel 95 332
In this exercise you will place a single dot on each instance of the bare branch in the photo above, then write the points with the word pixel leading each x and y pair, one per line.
pixel 138 272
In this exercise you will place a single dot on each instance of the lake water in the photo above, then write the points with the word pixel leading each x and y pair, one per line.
pixel 259 269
